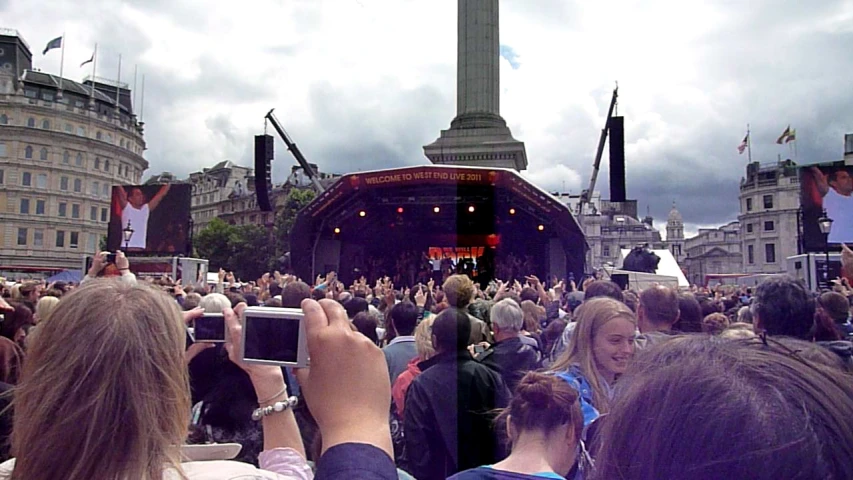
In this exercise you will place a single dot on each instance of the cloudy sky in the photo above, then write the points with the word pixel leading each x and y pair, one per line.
pixel 364 84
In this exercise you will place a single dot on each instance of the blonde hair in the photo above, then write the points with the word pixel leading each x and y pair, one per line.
pixel 214 303
pixel 532 314
pixel 459 290
pixel 104 391
pixel 590 317
pixel 45 307
pixel 423 339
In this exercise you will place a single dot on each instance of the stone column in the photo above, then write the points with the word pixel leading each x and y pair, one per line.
pixel 478 69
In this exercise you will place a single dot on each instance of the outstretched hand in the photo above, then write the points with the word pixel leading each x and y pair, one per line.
pixel 347 386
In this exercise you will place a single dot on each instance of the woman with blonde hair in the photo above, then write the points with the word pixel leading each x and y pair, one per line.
pixel 600 350
pixel 425 349
pixel 214 303
pixel 44 307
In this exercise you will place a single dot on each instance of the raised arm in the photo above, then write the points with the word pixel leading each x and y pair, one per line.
pixel 122 197
pixel 821 181
pixel 158 197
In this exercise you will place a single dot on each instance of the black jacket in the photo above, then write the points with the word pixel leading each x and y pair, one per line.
pixel 512 359
pixel 448 416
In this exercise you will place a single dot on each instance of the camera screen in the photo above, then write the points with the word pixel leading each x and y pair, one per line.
pixel 271 339
pixel 210 328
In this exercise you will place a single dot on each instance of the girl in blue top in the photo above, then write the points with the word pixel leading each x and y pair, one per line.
pixel 543 423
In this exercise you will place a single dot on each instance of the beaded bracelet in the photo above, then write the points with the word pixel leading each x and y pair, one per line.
pixel 276 407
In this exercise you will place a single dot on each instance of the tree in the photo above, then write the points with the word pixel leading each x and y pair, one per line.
pixel 252 254
pixel 216 243
pixel 296 200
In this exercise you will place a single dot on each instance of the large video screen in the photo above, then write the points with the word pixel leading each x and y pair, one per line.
pixel 826 188
pixel 159 216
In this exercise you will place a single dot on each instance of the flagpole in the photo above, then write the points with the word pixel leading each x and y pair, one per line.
pixel 142 100
pixel 748 143
pixel 118 84
pixel 61 65
pixel 135 72
pixel 94 73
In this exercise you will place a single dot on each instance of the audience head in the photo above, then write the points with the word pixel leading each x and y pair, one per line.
pixel 529 294
pixel 450 331
pixel 603 288
pixel 192 300
pixel 658 309
pixel 294 293
pixel 366 324
pixel 744 315
pixel 532 315
pixel 404 317
pixel 423 339
pixel 44 308
pixel 11 361
pixel 458 290
pixel 318 294
pixel 689 314
pixel 16 323
pixel 214 303
pixel 793 418
pixel 353 307
pixel 715 323
pixel 507 317
pixel 783 306
pixel 834 305
pixel 105 382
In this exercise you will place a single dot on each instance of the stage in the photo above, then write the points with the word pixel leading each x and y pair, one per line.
pixel 416 222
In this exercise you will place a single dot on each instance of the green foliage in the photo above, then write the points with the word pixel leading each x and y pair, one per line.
pixel 217 243
pixel 252 254
pixel 296 200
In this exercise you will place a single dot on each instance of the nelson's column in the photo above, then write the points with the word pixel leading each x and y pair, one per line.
pixel 478 136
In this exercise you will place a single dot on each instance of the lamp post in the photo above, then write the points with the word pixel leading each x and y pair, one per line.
pixel 128 234
pixel 825 224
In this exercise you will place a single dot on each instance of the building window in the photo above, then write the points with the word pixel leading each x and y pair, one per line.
pixel 45 124
pixel 2 149
pixel 66 157
pixel 69 128
pixel 769 226
pixel 770 253
pixel 110 137
pixel 31 122
pixel 82 132
pixel 97 163
pixel 99 135
pixel 2 175
pixel 92 243
pixel 748 204
pixel 25 206
pixel 43 153
pixel 750 254
pixel 28 152
pixel 75 237
pixel 748 228
pixel 47 96
pixel 78 185
pixel 38 238
pixel 93 214
pixel 103 214
pixel 63 183
pixel 79 160
pixel 63 209
pixel 768 201
pixel 41 180
pixel 121 143
pixel 29 93
pixel 107 165
pixel 27 179
pixel 605 251
pixel 4 120
pixel 39 207
pixel 22 236
pixel 60 238
pixel 105 190
pixel 75 210
pixel 96 188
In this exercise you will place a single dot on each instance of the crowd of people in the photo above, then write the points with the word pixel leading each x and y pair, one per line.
pixel 437 379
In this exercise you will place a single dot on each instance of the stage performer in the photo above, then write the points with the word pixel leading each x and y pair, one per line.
pixel 135 209
pixel 836 189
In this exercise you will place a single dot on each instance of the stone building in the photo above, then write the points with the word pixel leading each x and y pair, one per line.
pixel 769 204
pixel 61 151
pixel 713 251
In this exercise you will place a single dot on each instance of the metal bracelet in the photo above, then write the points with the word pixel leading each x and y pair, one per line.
pixel 276 407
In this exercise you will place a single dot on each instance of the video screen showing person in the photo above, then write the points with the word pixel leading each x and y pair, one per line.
pixel 827 188
pixel 271 339
pixel 158 216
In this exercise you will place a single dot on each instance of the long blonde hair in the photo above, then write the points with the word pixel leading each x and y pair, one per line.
pixel 590 317
pixel 104 391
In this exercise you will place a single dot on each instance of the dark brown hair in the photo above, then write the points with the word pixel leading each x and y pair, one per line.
pixel 544 402
pixel 773 414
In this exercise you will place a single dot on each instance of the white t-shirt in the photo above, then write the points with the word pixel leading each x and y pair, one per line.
pixel 138 218
pixel 840 209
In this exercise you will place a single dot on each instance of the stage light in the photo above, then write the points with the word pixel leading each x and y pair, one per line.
pixel 362 213
pixel 337 230
pixel 436 209
pixel 541 227
pixel 471 209
pixel 512 211
pixel 399 209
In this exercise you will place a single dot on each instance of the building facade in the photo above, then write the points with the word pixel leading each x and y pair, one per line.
pixel 769 205
pixel 61 151
pixel 675 234
pixel 713 251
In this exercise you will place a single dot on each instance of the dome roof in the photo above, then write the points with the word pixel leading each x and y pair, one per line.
pixel 674 215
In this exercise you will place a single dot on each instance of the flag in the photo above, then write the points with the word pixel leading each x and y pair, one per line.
pixel 784 135
pixel 743 144
pixel 90 60
pixel 792 135
pixel 55 43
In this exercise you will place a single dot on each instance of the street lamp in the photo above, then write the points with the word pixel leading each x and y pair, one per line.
pixel 128 234
pixel 825 224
